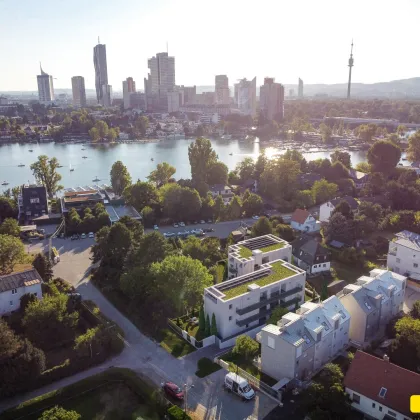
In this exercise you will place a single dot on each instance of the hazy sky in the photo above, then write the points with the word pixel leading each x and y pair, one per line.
pixel 285 39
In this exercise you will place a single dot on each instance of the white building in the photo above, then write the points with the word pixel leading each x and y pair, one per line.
pixel 45 87
pixel 404 254
pixel 224 190
pixel 246 96
pixel 327 208
pixel 106 96
pixel 129 87
pixel 310 255
pixel 78 90
pixel 242 305
pixel 222 89
pixel 380 389
pixel 13 286
pixel 372 302
pixel 247 256
pixel 303 221
pixel 303 342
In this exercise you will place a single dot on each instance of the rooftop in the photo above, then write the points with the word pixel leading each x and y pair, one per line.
pixel 271 273
pixel 408 239
pixel 264 243
pixel 300 216
pixel 20 279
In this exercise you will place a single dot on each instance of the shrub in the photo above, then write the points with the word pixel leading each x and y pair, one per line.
pixel 176 413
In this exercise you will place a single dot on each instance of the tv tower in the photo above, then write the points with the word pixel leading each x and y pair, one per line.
pixel 351 61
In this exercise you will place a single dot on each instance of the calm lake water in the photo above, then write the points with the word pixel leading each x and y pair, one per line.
pixel 137 158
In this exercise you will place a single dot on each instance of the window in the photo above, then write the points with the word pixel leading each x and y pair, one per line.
pixel 382 392
pixel 380 408
pixel 34 200
pixel 356 398
pixel 398 260
pixel 14 291
pixel 11 303
pixel 271 343
pixel 230 318
pixel 391 413
pixel 373 405
pixel 230 306
pixel 415 265
pixel 315 265
pixel 324 265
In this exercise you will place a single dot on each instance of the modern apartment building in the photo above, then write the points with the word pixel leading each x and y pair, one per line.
pixel 45 87
pixel 242 305
pixel 404 254
pixel 101 72
pixel 300 88
pixel 372 302
pixel 304 341
pixel 33 203
pixel 129 87
pixel 160 80
pixel 246 96
pixel 175 99
pixel 272 99
pixel 79 92
pixel 222 89
pixel 249 255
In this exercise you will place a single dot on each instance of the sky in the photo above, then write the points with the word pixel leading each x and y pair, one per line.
pixel 285 39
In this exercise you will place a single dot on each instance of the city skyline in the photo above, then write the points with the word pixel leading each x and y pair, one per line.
pixel 316 51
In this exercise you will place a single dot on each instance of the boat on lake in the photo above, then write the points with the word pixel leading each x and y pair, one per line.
pixel 96 179
pixel 152 159
pixel 30 150
pixel 21 165
pixel 84 157
pixel 4 183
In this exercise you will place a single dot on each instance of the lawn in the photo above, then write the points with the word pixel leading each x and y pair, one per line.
pixel 348 273
pixel 220 272
pixel 249 367
pixel 272 247
pixel 193 330
pixel 174 344
pixel 244 252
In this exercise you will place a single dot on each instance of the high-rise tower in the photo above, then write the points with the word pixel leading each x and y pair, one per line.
pixel 351 61
pixel 79 92
pixel 300 88
pixel 101 72
pixel 45 87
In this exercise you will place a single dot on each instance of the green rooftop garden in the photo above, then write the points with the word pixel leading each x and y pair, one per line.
pixel 273 247
pixel 244 252
pixel 279 272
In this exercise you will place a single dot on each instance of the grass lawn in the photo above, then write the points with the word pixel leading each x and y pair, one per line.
pixel 272 247
pixel 244 252
pixel 248 367
pixel 206 367
pixel 220 272
pixel 348 273
pixel 174 344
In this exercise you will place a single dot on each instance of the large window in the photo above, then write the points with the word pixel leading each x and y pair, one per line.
pixel 356 398
pixel 34 200
pixel 271 342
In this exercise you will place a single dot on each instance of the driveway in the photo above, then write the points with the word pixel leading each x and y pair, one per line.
pixel 141 354
pixel 410 297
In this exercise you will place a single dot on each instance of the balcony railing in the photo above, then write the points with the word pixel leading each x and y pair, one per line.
pixel 393 252
pixel 252 318
pixel 275 297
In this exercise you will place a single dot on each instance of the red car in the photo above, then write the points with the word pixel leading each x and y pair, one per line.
pixel 173 390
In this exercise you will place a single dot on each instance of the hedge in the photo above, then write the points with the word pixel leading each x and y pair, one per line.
pixel 176 413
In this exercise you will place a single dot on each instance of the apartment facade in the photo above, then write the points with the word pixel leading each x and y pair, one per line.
pixel 222 89
pixel 246 96
pixel 79 91
pixel 33 202
pixel 272 99
pixel 242 305
pixel 404 254
pixel 45 87
pixel 101 72
pixel 372 302
pixel 247 256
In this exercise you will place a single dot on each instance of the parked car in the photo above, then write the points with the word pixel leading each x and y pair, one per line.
pixel 173 390
pixel 74 237
pixel 209 221
pixel 202 222
pixel 175 225
pixel 83 236
pixel 168 234
pixel 91 235
pixel 255 217
pixel 209 230
pixel 182 224
pixel 156 227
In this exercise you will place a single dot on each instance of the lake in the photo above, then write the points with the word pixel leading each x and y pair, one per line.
pixel 137 158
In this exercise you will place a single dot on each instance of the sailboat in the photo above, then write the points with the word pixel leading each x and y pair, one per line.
pixel 96 179
pixel 5 183
pixel 71 169
pixel 21 165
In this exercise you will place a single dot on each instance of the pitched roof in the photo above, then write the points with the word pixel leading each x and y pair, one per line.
pixel 21 279
pixel 350 200
pixel 309 250
pixel 368 374
pixel 300 215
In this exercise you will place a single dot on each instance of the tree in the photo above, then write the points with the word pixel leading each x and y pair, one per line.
pixel 363 167
pixel 293 154
pixel 177 200
pixel 201 156
pixel 252 205
pixel 12 252
pixel 9 343
pixel 338 228
pixel 234 209
pixel 323 191
pixel 213 328
pixel 207 206
pixel 217 173
pixel 277 314
pixel 304 199
pixel 343 157
pixel 344 208
pixel 8 208
pixel 260 165
pixel 285 232
pixel 372 211
pixel 148 217
pixel 102 130
pixel 201 320
pixel 45 172
pixel 94 134
pixel 208 327
pixel 245 169
pixel 112 134
pixel 338 171
pixel 365 132
pixel 245 347
pixel 141 194
pixel 326 132
pixel 120 177
pixel 415 310
pixel 413 151
pixel 10 227
pixel 59 413
pixel 406 347
pixel 384 156
pixel 261 227
pixel 162 174
pixel 219 207
pixel 43 265
pixel 207 250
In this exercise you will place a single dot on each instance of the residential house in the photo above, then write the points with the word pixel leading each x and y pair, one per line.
pixel 404 254
pixel 303 221
pixel 304 341
pixel 33 203
pixel 224 190
pixel 327 208
pixel 310 255
pixel 379 389
pixel 242 305
pixel 372 302
pixel 360 178
pixel 248 256
pixel 13 286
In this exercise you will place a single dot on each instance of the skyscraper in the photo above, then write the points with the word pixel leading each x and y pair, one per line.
pixel 300 88
pixel 101 72
pixel 129 87
pixel 160 81
pixel 222 89
pixel 45 87
pixel 272 99
pixel 79 92
pixel 246 96
pixel 351 61
pixel 106 99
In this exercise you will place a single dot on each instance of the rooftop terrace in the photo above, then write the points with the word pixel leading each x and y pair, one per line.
pixel 264 243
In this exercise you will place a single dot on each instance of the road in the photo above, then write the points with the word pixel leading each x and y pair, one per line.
pixel 207 399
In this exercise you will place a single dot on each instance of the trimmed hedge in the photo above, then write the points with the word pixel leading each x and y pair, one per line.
pixel 176 413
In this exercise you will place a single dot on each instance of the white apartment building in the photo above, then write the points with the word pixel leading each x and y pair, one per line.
pixel 404 254
pixel 45 87
pixel 247 256
pixel 242 305
pixel 78 90
pixel 13 286
pixel 372 302
pixel 304 341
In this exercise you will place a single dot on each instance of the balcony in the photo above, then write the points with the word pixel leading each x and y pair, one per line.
pixel 275 297
pixel 252 318
pixel 393 251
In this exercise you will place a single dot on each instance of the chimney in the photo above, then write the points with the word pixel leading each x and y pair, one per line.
pixel 386 358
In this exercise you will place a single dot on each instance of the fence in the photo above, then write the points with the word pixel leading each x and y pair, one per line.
pixel 198 344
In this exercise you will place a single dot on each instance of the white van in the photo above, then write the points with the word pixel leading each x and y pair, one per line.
pixel 239 386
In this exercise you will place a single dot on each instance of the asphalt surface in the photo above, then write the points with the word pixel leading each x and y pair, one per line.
pixel 207 399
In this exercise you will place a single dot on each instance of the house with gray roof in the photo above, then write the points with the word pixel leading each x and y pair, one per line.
pixel 310 255
pixel 14 285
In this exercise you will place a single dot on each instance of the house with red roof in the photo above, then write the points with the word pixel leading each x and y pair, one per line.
pixel 304 221
pixel 380 389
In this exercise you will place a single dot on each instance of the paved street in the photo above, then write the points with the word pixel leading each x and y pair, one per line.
pixel 207 398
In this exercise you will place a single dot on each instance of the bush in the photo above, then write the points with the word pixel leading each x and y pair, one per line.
pixel 176 413
pixel 206 367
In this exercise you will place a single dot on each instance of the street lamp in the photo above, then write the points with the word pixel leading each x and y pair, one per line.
pixel 186 388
